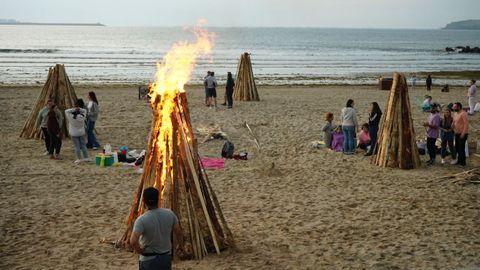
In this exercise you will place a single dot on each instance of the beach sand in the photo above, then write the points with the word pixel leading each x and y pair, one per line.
pixel 315 209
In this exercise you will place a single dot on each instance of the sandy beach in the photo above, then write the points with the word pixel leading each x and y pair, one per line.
pixel 315 209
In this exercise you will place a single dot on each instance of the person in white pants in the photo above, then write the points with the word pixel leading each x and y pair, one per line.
pixel 472 96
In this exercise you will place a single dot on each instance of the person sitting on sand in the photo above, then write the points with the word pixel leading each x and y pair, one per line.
pixel 76 127
pixel 54 126
pixel 427 104
pixel 364 137
pixel 327 129
pixel 338 139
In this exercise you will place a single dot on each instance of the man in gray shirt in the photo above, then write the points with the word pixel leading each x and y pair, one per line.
pixel 151 236
pixel 210 84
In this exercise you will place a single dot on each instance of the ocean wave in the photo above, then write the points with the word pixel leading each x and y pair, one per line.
pixel 28 50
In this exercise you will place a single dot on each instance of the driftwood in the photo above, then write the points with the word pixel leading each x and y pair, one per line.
pixel 253 135
pixel 396 145
pixel 172 165
pixel 245 88
pixel 58 88
pixel 464 178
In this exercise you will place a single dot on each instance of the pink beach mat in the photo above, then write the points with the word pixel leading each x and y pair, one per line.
pixel 213 163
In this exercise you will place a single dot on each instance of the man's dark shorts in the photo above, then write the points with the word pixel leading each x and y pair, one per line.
pixel 211 92
pixel 160 262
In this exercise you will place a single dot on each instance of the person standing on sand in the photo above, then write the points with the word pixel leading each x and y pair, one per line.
pixel 76 127
pixel 373 124
pixel 447 135
pixel 460 128
pixel 151 235
pixel 205 86
pixel 229 89
pixel 54 126
pixel 472 96
pixel 92 116
pixel 210 84
pixel 349 127
pixel 432 133
pixel 42 123
pixel 428 82
pixel 414 81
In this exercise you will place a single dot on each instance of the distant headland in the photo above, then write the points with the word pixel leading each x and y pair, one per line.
pixel 464 25
pixel 15 22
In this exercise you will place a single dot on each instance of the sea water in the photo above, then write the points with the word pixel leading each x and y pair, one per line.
pixel 127 55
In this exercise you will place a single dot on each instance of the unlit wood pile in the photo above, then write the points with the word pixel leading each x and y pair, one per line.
pixel 245 87
pixel 396 144
pixel 58 88
pixel 185 189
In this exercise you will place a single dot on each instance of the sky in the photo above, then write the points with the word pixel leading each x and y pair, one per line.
pixel 416 14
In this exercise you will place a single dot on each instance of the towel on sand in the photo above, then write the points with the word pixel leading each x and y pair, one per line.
pixel 213 163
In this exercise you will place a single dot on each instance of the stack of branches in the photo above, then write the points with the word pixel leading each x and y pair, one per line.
pixel 184 187
pixel 396 146
pixel 58 88
pixel 245 87
pixel 465 177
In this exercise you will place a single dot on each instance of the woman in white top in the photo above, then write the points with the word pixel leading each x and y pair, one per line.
pixel 76 127
pixel 349 127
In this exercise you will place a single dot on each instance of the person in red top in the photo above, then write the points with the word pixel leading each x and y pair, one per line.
pixel 460 128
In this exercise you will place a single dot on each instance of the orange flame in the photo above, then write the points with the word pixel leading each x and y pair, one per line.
pixel 171 76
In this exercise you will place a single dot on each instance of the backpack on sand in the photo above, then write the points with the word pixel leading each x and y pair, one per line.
pixel 227 150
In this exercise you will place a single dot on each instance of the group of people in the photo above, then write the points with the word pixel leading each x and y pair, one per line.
pixel 81 124
pixel 428 82
pixel 210 83
pixel 343 138
pixel 452 129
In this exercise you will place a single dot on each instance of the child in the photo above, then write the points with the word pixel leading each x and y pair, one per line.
pixel 364 137
pixel 427 104
pixel 447 136
pixel 337 139
pixel 328 129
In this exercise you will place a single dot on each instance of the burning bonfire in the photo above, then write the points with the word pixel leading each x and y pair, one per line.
pixel 172 161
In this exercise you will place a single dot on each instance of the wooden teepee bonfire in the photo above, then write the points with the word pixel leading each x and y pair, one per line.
pixel 172 164
pixel 396 144
pixel 245 87
pixel 58 88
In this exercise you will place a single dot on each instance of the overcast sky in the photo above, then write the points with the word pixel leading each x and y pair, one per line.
pixel 289 13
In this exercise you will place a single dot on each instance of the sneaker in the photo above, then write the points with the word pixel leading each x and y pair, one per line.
pixel 46 153
pixel 77 161
pixel 454 162
pixel 95 148
pixel 431 162
pixel 58 157
pixel 443 161
pixel 87 159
